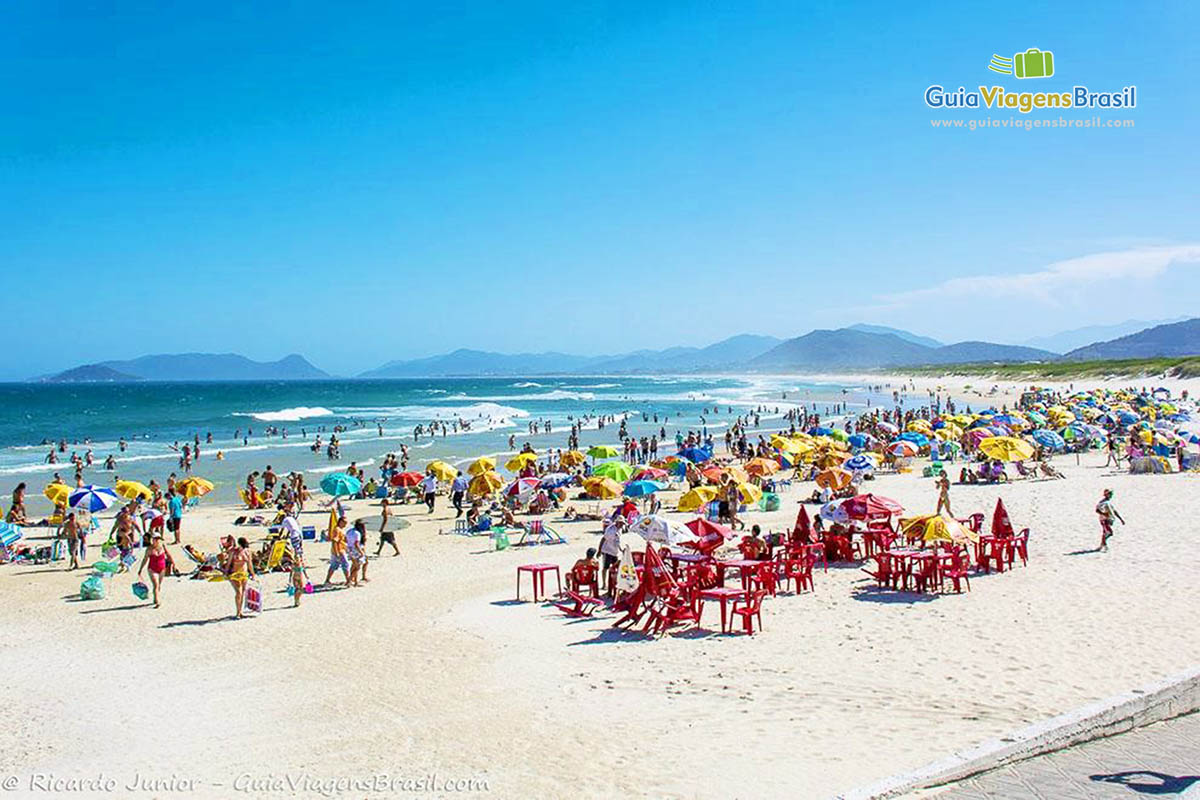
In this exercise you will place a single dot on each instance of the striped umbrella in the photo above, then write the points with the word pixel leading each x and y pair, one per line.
pixel 92 498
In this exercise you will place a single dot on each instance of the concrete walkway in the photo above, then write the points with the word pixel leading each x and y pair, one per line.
pixel 1160 760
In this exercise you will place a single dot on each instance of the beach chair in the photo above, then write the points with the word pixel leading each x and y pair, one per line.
pixel 579 605
pixel 749 608
pixel 539 533
pixel 461 527
pixel 955 569
pixel 584 576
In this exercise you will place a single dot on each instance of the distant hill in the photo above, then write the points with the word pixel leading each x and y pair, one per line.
pixel 727 354
pixel 903 334
pixel 1174 339
pixel 1073 339
pixel 198 367
pixel 847 348
pixel 91 373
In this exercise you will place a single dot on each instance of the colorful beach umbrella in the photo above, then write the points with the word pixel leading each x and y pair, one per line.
pixel 194 486
pixel 762 466
pixel 520 461
pixel 57 493
pixel 602 488
pixel 485 483
pixel 656 528
pixel 407 479
pixel 481 465
pixel 859 463
pixel 697 498
pixel 1006 448
pixel 867 505
pixel 92 498
pixel 132 489
pixel 617 470
pixel 695 455
pixel 572 458
pixel 441 470
pixel 602 451
pixel 522 488
pixel 834 478
pixel 642 488
pixel 339 483
pixel 902 449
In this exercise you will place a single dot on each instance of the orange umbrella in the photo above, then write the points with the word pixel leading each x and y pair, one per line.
pixel 762 466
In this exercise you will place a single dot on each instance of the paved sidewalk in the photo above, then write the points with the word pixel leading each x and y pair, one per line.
pixel 1160 760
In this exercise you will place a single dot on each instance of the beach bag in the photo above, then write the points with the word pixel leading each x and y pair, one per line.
pixel 140 590
pixel 254 597
pixel 627 577
pixel 501 539
pixel 769 502
pixel 92 588
pixel 56 550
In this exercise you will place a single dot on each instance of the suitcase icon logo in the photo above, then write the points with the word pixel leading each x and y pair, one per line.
pixel 1033 63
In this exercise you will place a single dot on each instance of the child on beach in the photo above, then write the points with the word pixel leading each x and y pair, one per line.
pixel 1106 511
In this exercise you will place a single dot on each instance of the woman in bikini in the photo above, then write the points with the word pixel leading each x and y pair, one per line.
pixel 240 571
pixel 159 561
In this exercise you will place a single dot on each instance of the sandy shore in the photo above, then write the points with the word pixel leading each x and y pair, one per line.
pixel 433 670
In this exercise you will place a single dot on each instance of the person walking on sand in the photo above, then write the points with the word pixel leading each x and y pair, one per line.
pixel 386 536
pixel 159 561
pixel 1114 452
pixel 457 490
pixel 429 489
pixel 337 552
pixel 1106 511
pixel 240 571
pixel 943 484
pixel 70 531
pixel 295 534
pixel 356 538
pixel 174 512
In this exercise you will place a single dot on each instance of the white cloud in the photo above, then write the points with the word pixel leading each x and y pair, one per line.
pixel 1048 285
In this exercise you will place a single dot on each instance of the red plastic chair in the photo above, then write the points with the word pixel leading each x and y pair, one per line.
pixel 799 572
pixel 1020 544
pixel 954 569
pixel 749 608
pixel 885 574
pixel 764 576
pixel 584 576
pixel 925 578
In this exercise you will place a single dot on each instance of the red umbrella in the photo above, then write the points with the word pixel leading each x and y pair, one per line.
pixel 1001 525
pixel 803 530
pixel 407 479
pixel 871 505
pixel 709 535
pixel 650 474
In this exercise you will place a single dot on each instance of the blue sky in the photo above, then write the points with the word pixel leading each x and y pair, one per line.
pixel 382 181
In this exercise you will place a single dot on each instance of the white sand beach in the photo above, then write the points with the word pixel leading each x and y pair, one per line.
pixel 431 672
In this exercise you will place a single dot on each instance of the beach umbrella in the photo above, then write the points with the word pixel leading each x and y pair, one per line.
pixel 697 498
pixel 862 506
pixel 57 493
pixel 92 498
pixel 642 488
pixel 194 486
pixel 407 479
pixel 572 458
pixel 835 512
pixel 716 474
pixel 1001 524
pixel 522 488
pixel 481 465
pixel 858 440
pixel 651 474
pixel 339 483
pixel 919 426
pixel 602 488
pixel 151 514
pixel 602 451
pixel 859 463
pixel 887 427
pixel 555 479
pixel 10 534
pixel 820 430
pixel 1049 439
pixel 520 461
pixel 695 454
pixel 839 435
pixel 834 478
pixel 937 528
pixel 441 470
pixel 785 444
pixel 919 439
pixel 762 466
pixel 902 449
pixel 132 489
pixel 485 483
pixel 656 528
pixel 707 530
pixel 1006 448
pixel 617 470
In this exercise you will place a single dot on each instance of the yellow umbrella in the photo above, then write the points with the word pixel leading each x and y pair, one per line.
pixel 485 483
pixel 785 444
pixel 603 488
pixel 919 426
pixel 1006 448
pixel 520 461
pixel 572 458
pixel 697 498
pixel 131 489
pixel 937 528
pixel 57 493
pixel 481 465
pixel 194 487
pixel 749 492
pixel 834 478
pixel 762 466
pixel 441 470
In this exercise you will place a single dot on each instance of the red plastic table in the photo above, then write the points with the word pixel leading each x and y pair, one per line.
pixel 742 565
pixel 537 575
pixel 722 594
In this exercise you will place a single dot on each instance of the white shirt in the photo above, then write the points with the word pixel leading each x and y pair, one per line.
pixel 429 485
pixel 610 543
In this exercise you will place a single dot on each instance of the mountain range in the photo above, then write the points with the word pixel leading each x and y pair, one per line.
pixel 1066 341
pixel 858 347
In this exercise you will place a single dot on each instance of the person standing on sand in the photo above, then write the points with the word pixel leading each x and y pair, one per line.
pixel 240 570
pixel 295 534
pixel 429 489
pixel 337 552
pixel 457 490
pixel 386 536
pixel 356 539
pixel 1114 453
pixel 174 513
pixel 943 484
pixel 70 530
pixel 160 564
pixel 1106 511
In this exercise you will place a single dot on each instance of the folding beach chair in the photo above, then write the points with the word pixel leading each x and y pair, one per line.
pixel 538 533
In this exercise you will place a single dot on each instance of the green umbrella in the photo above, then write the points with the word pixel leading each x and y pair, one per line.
pixel 619 471
pixel 603 451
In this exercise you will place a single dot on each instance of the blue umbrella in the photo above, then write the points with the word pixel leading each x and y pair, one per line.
pixel 92 498
pixel 642 488
pixel 859 462
pixel 820 431
pixel 9 534
pixel 919 439
pixel 695 454
pixel 1048 438
pixel 555 480
pixel 339 483
pixel 1128 417
pixel 857 440
pixel 677 468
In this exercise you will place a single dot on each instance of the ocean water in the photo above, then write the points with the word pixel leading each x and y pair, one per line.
pixel 153 416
